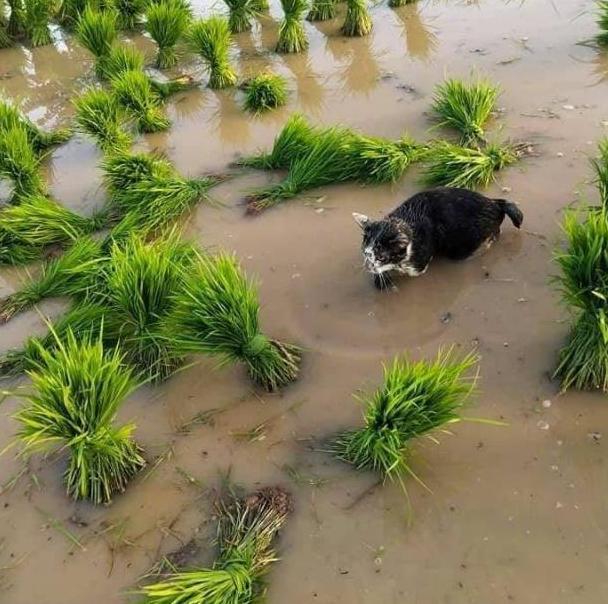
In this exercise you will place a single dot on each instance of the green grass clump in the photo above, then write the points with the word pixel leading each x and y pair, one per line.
pixel 19 163
pixel 583 284
pixel 99 115
pixel 77 391
pixel 119 59
pixel 39 139
pixel 135 93
pixel 217 312
pixel 72 274
pixel 17 20
pixel 295 140
pixel 70 11
pixel 241 12
pixel 602 22
pixel 265 91
pixel 600 167
pixel 38 14
pixel 322 10
pixel 97 30
pixel 128 12
pixel 246 530
pixel 465 107
pixel 6 40
pixel 292 37
pixel 416 399
pixel 357 21
pixel 454 166
pixel 210 38
pixel 167 22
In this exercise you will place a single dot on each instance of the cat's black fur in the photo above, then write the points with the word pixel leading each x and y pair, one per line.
pixel 446 222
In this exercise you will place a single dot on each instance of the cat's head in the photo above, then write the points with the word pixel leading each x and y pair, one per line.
pixel 387 243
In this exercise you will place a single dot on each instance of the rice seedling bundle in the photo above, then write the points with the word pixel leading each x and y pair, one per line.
pixel 265 91
pixel 135 93
pixel 602 22
pixel 454 166
pixel 71 10
pixel 99 115
pixel 19 163
pixel 210 38
pixel 583 284
pixel 77 391
pixel 600 167
pixel 5 39
pixel 124 169
pixel 241 13
pixel 415 399
pixel 128 12
pixel 292 37
pixel 216 313
pixel 357 21
pixel 398 3
pixel 119 59
pixel 246 531
pixel 17 19
pixel 97 30
pixel 72 274
pixel 40 140
pixel 38 14
pixel 167 22
pixel 465 107
pixel 322 10
pixel 260 5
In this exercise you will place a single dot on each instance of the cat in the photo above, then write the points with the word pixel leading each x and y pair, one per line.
pixel 446 221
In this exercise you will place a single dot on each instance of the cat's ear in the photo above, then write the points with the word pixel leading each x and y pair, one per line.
pixel 361 219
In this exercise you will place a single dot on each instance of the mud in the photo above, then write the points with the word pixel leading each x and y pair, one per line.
pixel 514 513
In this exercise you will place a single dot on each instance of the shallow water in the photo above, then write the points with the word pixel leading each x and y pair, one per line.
pixel 516 513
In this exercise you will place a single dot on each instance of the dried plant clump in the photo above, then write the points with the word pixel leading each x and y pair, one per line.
pixel 292 37
pixel 357 21
pixel 264 92
pixel 602 22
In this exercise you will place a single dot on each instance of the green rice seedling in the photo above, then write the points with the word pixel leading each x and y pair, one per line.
pixel 135 93
pixel 6 40
pixel 357 21
pixel 602 22
pixel 265 91
pixel 99 115
pixel 72 274
pixel 210 38
pixel 70 11
pixel 246 530
pixel 167 22
pixel 216 313
pixel 128 12
pixel 77 391
pixel 38 14
pixel 465 106
pixel 19 163
pixel 260 5
pixel 16 252
pixel 416 399
pixel 583 284
pixel 292 37
pixel 328 161
pixel 97 30
pixel 241 13
pixel 398 3
pixel 322 10
pixel 39 139
pixel 295 140
pixel 17 19
pixel 600 167
pixel 454 166
pixel 119 59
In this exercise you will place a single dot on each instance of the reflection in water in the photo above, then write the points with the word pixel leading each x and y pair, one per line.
pixel 421 41
pixel 188 103
pixel 231 122
pixel 310 91
pixel 362 73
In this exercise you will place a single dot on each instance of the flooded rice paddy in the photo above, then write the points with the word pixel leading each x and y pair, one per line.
pixel 514 513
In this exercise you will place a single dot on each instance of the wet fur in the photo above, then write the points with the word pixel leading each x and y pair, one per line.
pixel 447 222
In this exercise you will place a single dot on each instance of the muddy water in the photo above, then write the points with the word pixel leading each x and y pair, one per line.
pixel 516 513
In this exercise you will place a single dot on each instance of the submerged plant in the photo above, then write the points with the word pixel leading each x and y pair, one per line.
pixel 465 107
pixel 246 530
pixel 265 91
pixel 292 37
pixel 322 10
pixel 38 14
pixel 99 115
pixel 77 391
pixel 602 22
pixel 600 167
pixel 135 93
pixel 357 21
pixel 241 12
pixel 19 163
pixel 97 31
pixel 583 284
pixel 416 399
pixel 454 166
pixel 216 313
pixel 210 38
pixel 119 59
pixel 166 22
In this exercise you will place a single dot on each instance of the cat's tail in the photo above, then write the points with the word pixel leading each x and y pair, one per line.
pixel 511 210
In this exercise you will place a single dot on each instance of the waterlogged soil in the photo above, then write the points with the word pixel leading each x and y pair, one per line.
pixel 510 513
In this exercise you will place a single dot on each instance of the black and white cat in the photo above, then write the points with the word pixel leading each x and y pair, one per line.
pixel 446 222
